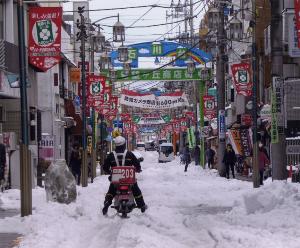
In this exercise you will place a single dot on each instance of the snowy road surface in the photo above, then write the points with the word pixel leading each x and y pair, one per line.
pixel 186 210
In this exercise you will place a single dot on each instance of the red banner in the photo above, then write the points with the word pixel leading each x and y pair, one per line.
pixel 242 79
pixel 209 107
pixel 297 19
pixel 44 36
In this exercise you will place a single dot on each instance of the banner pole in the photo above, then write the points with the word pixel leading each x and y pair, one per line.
pixel 201 110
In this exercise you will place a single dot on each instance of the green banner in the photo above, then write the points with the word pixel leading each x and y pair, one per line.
pixel 163 74
pixel 191 137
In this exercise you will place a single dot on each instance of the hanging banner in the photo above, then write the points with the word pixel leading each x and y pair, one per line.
pixel 245 141
pixel 151 119
pixel 163 74
pixel 150 101
pixel 44 39
pixel 209 107
pixel 242 79
pixel 191 137
pixel 297 19
pixel 75 75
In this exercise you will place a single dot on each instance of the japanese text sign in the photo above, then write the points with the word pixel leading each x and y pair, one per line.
pixel 44 36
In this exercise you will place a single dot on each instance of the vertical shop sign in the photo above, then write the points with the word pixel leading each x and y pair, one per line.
pixel 44 36
pixel 209 107
pixel 274 127
pixel 297 17
pixel 222 125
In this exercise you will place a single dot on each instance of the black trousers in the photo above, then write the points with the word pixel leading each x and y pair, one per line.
pixel 229 166
pixel 210 162
pixel 261 177
pixel 137 193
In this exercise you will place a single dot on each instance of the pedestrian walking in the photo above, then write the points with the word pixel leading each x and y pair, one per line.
pixel 197 155
pixel 210 157
pixel 187 157
pixel 75 162
pixel 263 163
pixel 229 160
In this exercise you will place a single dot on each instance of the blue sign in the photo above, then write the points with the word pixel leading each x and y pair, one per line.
pixel 77 100
pixel 118 122
pixel 162 49
pixel 222 125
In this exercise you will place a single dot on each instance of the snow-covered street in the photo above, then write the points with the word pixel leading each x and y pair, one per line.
pixel 192 209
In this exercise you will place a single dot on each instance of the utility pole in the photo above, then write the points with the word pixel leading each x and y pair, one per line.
pixel 255 162
pixel 83 37
pixel 93 117
pixel 25 163
pixel 221 89
pixel 278 154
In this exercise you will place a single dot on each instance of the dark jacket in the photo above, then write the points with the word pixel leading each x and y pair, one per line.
pixel 75 161
pixel 130 160
pixel 229 157
pixel 187 155
pixel 210 154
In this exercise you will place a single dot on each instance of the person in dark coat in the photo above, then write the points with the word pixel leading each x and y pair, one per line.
pixel 130 160
pixel 186 157
pixel 2 162
pixel 75 162
pixel 229 160
pixel 197 155
pixel 263 163
pixel 210 156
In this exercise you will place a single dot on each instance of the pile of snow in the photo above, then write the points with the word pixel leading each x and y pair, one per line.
pixel 193 209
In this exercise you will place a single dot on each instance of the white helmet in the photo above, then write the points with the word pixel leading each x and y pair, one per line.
pixel 119 141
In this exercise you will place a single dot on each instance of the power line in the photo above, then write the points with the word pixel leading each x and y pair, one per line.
pixel 131 7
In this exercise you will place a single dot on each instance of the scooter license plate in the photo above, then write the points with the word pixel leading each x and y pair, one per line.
pixel 123 174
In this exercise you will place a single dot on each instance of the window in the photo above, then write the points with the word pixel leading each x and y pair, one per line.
pixel 166 149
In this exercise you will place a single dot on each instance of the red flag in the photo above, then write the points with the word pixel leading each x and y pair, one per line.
pixel 44 39
pixel 297 19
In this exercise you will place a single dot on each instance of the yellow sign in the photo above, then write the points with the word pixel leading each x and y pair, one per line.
pixel 75 75
pixel 116 133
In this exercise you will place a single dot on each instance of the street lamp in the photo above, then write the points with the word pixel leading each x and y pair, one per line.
pixel 127 68
pixel 190 66
pixel 118 31
pixel 105 62
pixel 214 16
pixel 205 74
pixel 98 41
pixel 112 74
pixel 235 29
pixel 123 53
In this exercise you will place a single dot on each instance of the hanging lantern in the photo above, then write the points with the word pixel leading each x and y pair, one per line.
pixel 123 53
pixel 126 68
pixel 105 62
pixel 204 74
pixel 156 61
pixel 112 74
pixel 99 42
pixel 118 32
pixel 190 66
pixel 214 16
pixel 179 7
pixel 236 29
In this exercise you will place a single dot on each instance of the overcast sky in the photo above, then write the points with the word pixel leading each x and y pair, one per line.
pixel 129 16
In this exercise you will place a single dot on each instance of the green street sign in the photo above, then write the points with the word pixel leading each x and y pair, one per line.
pixel 164 74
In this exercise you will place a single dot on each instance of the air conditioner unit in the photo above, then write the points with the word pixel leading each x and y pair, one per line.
pixel 2 114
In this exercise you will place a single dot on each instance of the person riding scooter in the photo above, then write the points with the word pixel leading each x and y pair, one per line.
pixel 130 160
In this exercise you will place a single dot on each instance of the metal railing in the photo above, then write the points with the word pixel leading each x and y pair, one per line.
pixel 293 151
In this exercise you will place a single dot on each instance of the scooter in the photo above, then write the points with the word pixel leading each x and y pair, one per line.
pixel 123 177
